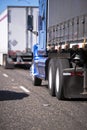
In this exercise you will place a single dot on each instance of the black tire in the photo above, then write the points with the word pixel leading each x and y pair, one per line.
pixel 51 77
pixel 6 64
pixel 61 64
pixel 36 81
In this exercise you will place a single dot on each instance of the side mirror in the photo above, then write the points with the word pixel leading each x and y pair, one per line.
pixel 30 22
pixel 35 32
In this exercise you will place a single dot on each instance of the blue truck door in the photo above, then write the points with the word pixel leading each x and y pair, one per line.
pixel 42 26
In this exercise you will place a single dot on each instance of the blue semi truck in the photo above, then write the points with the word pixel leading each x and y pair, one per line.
pixel 60 56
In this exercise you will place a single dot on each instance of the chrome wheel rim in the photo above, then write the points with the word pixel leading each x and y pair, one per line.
pixel 50 78
pixel 57 80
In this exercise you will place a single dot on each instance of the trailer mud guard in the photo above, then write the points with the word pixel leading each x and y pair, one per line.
pixel 73 83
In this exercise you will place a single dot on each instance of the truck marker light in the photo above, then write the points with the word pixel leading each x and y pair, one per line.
pixel 73 74
pixel 65 74
pixel 76 74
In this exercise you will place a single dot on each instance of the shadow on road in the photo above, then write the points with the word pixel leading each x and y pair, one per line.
pixel 10 95
pixel 25 67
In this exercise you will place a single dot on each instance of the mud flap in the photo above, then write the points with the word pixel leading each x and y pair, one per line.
pixel 73 84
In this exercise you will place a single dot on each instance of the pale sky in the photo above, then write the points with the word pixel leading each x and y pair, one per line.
pixel 5 3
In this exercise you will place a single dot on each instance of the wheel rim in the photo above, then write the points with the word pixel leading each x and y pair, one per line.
pixel 57 80
pixel 50 78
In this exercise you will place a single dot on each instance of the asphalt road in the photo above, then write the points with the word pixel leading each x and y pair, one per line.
pixel 25 107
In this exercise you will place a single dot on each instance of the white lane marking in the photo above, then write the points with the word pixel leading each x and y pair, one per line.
pixel 24 89
pixel 5 75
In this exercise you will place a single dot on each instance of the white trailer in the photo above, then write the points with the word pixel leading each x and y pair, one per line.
pixel 18 27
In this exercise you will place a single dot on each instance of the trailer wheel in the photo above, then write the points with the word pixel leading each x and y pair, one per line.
pixel 51 77
pixel 36 81
pixel 60 66
pixel 6 64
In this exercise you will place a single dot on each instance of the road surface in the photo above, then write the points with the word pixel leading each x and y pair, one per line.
pixel 25 107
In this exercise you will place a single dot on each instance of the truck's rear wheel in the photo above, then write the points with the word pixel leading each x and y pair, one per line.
pixel 60 66
pixel 6 63
pixel 51 77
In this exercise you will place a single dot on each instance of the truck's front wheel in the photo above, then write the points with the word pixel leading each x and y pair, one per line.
pixel 36 81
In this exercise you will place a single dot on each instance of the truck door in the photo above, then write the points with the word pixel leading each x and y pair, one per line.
pixel 42 26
